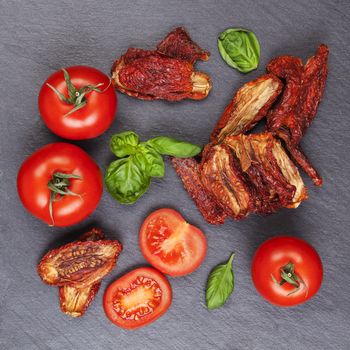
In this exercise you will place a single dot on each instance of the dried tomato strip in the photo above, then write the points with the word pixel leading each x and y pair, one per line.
pixel 249 104
pixel 298 105
pixel 188 171
pixel 300 158
pixel 224 180
pixel 178 44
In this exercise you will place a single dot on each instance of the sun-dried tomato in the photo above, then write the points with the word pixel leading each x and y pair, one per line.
pixel 249 104
pixel 297 107
pixel 178 44
pixel 245 174
pixel 269 170
pixel 75 301
pixel 166 74
pixel 221 177
pixel 79 264
pixel 188 171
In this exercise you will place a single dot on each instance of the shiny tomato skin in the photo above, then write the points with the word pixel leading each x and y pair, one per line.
pixel 37 170
pixel 88 122
pixel 123 282
pixel 187 244
pixel 276 253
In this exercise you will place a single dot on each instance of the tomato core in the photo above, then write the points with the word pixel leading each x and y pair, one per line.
pixel 140 299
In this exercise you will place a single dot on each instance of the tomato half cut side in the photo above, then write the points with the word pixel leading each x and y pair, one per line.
pixel 171 244
pixel 138 298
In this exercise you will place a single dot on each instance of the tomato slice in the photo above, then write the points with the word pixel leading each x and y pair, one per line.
pixel 170 244
pixel 137 298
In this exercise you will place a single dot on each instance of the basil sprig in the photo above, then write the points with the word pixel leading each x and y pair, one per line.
pixel 129 177
pixel 240 49
pixel 220 285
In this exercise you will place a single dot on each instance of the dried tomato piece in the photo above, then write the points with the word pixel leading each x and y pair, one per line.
pixel 148 75
pixel 283 120
pixel 223 179
pixel 298 105
pixel 249 104
pixel 95 234
pixel 314 81
pixel 79 264
pixel 269 169
pixel 166 73
pixel 188 171
pixel 178 44
pixel 75 301
pixel 300 158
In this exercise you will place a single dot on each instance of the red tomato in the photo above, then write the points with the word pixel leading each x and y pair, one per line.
pixel 91 120
pixel 39 169
pixel 292 258
pixel 137 298
pixel 170 244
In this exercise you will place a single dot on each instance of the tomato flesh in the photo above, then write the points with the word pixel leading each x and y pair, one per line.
pixel 170 244
pixel 140 299
pixel 276 253
pixel 137 298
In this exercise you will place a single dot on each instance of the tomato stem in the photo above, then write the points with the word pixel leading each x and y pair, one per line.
pixel 58 186
pixel 77 96
pixel 288 275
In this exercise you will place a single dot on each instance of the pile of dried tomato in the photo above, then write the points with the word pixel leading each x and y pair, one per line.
pixel 239 174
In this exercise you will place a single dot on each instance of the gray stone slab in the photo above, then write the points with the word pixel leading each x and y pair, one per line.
pixel 39 37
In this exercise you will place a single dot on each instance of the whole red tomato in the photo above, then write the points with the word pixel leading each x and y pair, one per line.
pixel 78 103
pixel 287 271
pixel 60 184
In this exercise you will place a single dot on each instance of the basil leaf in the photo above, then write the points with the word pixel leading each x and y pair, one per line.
pixel 240 49
pixel 154 160
pixel 172 147
pixel 127 179
pixel 220 285
pixel 124 144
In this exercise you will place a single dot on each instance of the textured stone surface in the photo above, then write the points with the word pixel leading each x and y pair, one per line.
pixel 40 36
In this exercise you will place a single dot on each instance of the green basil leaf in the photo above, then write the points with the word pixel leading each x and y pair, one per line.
pixel 220 285
pixel 240 49
pixel 172 147
pixel 124 144
pixel 154 159
pixel 127 179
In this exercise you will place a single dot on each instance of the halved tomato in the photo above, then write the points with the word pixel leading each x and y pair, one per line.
pixel 170 244
pixel 137 298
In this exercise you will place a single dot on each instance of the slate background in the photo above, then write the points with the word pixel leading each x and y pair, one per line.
pixel 39 37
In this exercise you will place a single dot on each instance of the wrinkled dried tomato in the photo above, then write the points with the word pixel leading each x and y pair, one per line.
pixel 248 105
pixel 75 301
pixel 298 105
pixel 223 179
pixel 166 73
pixel 178 44
pixel 269 169
pixel 188 171
pixel 79 264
